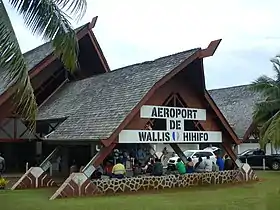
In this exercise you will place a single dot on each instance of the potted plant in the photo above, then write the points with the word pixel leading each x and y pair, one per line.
pixel 3 183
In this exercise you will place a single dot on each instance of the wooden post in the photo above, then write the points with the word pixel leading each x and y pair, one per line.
pixel 51 169
pixel 26 167
pixel 263 163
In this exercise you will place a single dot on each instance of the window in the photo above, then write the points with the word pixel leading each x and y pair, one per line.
pixel 247 152
pixel 207 154
pixel 188 153
pixel 199 154
pixel 258 152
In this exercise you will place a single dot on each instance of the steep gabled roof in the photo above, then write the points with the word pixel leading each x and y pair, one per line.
pixel 236 104
pixel 96 106
pixel 33 58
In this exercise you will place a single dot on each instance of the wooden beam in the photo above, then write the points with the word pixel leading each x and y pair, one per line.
pixel 221 117
pixel 3 140
pixel 99 51
pixel 57 89
pixel 103 153
pixel 248 132
pixel 229 151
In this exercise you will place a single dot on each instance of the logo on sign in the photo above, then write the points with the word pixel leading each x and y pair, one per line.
pixel 175 136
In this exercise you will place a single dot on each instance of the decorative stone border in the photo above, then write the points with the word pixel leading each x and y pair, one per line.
pixel 78 184
pixel 35 177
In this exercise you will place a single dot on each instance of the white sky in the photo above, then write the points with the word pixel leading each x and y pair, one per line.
pixel 132 31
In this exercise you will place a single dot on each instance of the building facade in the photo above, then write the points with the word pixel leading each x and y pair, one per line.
pixel 85 111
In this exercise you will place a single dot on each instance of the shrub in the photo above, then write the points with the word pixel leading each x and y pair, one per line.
pixel 3 182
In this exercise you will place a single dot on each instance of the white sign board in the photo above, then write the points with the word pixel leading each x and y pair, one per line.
pixel 174 125
pixel 175 131
pixel 148 136
pixel 164 112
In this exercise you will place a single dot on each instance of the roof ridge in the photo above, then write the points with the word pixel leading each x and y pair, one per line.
pixel 156 59
pixel 136 64
pixel 49 42
pixel 36 48
pixel 231 87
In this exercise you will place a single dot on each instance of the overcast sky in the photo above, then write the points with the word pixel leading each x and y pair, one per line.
pixel 131 31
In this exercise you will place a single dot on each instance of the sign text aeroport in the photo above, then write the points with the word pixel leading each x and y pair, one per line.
pixel 163 112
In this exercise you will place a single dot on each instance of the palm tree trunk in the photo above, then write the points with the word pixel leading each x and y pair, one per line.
pixel 13 67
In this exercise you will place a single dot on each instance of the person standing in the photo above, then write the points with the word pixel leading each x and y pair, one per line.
pixel 200 165
pixel 208 164
pixel 190 165
pixel 140 155
pixel 164 157
pixel 2 165
pixel 157 168
pixel 228 163
pixel 220 162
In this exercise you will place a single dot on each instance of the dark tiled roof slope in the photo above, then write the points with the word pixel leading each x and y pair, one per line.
pixel 236 104
pixel 32 58
pixel 96 106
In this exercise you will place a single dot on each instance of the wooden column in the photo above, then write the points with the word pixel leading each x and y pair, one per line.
pixel 179 152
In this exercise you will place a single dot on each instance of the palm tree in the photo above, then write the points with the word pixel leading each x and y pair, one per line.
pixel 266 114
pixel 49 19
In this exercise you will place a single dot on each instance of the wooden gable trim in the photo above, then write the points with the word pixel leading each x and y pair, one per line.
pixel 43 64
pixel 211 49
pixel 221 117
pixel 150 93
pixel 96 45
pixel 248 132
pixel 92 23
pixel 99 51
pixel 179 68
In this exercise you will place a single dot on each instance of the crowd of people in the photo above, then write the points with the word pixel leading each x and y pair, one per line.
pixel 206 165
pixel 118 170
pixel 154 167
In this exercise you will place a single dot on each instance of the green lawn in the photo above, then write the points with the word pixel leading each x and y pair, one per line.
pixel 258 196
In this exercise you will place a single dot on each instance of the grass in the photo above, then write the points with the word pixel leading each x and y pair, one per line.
pixel 258 196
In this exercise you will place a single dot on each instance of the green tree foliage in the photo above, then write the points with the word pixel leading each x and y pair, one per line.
pixel 267 113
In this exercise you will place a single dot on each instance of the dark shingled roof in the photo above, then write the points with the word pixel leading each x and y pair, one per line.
pixel 236 104
pixel 32 58
pixel 96 106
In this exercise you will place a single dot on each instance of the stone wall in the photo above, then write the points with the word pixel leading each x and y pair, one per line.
pixel 79 185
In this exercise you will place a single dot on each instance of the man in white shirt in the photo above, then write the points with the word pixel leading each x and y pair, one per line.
pixel 208 164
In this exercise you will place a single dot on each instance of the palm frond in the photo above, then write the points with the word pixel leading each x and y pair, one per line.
pixel 263 136
pixel 47 18
pixel 76 7
pixel 268 106
pixel 270 131
pixel 260 115
pixel 267 86
pixel 13 66
pixel 276 67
